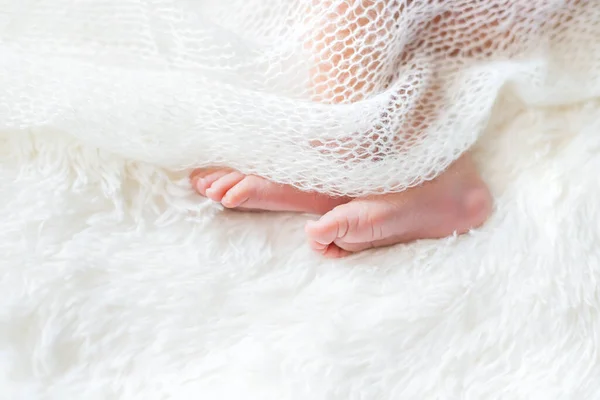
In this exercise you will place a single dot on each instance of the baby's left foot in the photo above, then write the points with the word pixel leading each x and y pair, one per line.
pixel 249 192
pixel 456 201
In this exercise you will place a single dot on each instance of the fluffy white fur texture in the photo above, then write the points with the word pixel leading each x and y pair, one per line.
pixel 116 282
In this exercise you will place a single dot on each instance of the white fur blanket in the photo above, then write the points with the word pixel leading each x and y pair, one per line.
pixel 116 282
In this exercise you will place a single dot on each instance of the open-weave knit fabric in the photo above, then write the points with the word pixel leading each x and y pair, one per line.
pixel 347 97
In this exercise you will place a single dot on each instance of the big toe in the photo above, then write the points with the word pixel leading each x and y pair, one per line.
pixel 323 233
pixel 326 230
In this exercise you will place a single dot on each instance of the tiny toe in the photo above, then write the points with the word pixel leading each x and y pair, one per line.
pixel 316 246
pixel 238 194
pixel 200 172
pixel 330 227
pixel 330 250
pixel 197 175
pixel 220 187
pixel 334 251
pixel 203 183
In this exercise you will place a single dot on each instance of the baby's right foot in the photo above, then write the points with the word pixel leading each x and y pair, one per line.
pixel 455 202
pixel 249 192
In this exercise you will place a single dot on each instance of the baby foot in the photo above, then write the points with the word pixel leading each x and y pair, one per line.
pixel 249 192
pixel 456 201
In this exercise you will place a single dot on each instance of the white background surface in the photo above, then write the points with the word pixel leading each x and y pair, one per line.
pixel 116 283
